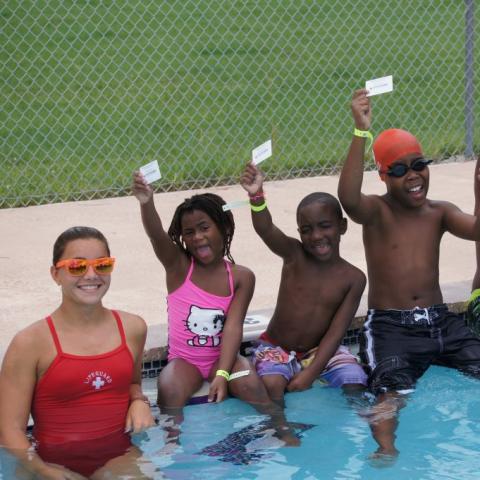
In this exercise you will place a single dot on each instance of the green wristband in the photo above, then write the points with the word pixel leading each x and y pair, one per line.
pixel 364 134
pixel 222 373
pixel 258 208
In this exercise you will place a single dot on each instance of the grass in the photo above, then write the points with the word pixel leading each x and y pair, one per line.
pixel 93 89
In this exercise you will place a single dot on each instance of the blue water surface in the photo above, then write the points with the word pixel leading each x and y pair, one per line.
pixel 438 438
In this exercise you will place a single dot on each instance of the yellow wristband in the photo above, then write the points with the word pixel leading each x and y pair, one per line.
pixel 364 134
pixel 222 373
pixel 258 208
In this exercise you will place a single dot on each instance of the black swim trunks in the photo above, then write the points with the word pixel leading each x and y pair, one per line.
pixel 397 346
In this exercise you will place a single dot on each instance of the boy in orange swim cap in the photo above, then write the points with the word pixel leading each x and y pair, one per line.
pixel 408 326
pixel 393 144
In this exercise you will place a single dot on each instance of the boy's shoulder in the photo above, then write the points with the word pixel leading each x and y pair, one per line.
pixel 351 271
pixel 388 205
pixel 429 205
pixel 443 204
pixel 341 270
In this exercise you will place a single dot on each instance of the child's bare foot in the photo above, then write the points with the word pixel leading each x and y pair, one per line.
pixel 287 435
pixel 383 457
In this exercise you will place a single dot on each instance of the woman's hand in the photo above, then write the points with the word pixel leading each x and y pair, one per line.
pixel 139 416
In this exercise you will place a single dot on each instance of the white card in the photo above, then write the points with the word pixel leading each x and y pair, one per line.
pixel 151 171
pixel 235 204
pixel 262 152
pixel 379 85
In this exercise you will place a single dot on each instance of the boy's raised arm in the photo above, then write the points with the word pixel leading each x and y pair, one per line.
pixel 274 238
pixel 165 250
pixel 358 206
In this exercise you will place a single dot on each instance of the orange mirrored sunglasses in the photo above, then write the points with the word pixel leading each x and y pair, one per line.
pixel 79 266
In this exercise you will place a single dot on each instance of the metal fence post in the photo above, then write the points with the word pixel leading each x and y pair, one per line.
pixel 469 87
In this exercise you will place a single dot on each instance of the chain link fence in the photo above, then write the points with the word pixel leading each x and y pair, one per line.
pixel 92 89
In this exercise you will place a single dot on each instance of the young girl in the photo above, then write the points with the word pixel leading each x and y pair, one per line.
pixel 78 372
pixel 207 301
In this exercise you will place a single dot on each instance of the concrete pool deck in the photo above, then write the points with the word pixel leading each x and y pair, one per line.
pixel 27 293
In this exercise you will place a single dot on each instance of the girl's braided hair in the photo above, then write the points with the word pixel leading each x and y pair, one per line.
pixel 210 204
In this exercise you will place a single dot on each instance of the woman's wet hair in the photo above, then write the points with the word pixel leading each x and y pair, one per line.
pixel 210 204
pixel 76 233
pixel 322 197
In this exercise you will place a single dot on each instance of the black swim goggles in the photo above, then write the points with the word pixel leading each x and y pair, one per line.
pixel 400 169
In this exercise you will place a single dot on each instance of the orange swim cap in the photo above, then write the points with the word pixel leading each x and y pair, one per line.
pixel 393 144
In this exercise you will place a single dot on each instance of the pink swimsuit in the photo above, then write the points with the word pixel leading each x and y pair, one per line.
pixel 195 323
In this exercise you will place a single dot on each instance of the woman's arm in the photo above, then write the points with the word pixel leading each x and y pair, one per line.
pixel 18 378
pixel 139 416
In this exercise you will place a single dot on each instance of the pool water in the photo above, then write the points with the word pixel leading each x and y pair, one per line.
pixel 438 438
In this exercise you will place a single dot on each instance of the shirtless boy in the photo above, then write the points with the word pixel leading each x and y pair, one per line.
pixel 318 296
pixel 408 326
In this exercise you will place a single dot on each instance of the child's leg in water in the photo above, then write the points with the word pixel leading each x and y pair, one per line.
pixel 381 413
pixel 177 383
pixel 251 389
pixel 276 385
pixel 357 397
pixel 383 420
